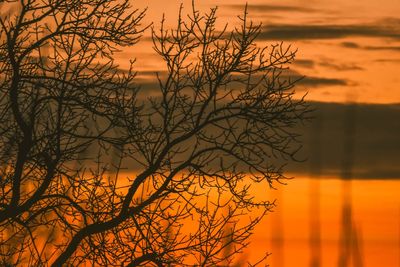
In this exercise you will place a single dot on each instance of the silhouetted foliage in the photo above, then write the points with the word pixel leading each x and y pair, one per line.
pixel 200 152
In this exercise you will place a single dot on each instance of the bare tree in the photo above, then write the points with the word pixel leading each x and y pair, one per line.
pixel 201 151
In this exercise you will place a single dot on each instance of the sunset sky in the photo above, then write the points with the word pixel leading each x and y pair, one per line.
pixel 348 51
pixel 338 207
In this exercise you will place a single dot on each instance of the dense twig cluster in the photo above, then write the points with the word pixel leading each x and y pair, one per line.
pixel 199 149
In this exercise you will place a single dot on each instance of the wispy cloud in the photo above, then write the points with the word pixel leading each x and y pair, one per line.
pixel 391 48
pixel 369 47
pixel 314 81
pixel 148 82
pixel 272 8
pixel 305 63
pixel 310 81
pixel 339 66
pixel 388 60
pixel 304 32
pixel 350 45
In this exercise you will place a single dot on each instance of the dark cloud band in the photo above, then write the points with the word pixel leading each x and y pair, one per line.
pixel 375 142
pixel 304 32
pixel 271 8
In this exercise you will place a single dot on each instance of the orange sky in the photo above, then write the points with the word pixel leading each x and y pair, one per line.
pixel 349 51
pixel 376 214
pixel 354 56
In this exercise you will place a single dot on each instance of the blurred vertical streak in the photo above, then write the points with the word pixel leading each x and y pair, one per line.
pixel 349 240
pixel 277 235
pixel 357 242
pixel 315 173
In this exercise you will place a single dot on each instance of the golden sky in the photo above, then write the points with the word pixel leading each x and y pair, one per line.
pixel 347 50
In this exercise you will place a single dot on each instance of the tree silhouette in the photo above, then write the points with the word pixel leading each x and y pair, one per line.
pixel 201 151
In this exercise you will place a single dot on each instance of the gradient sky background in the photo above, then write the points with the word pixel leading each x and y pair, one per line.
pixel 348 51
